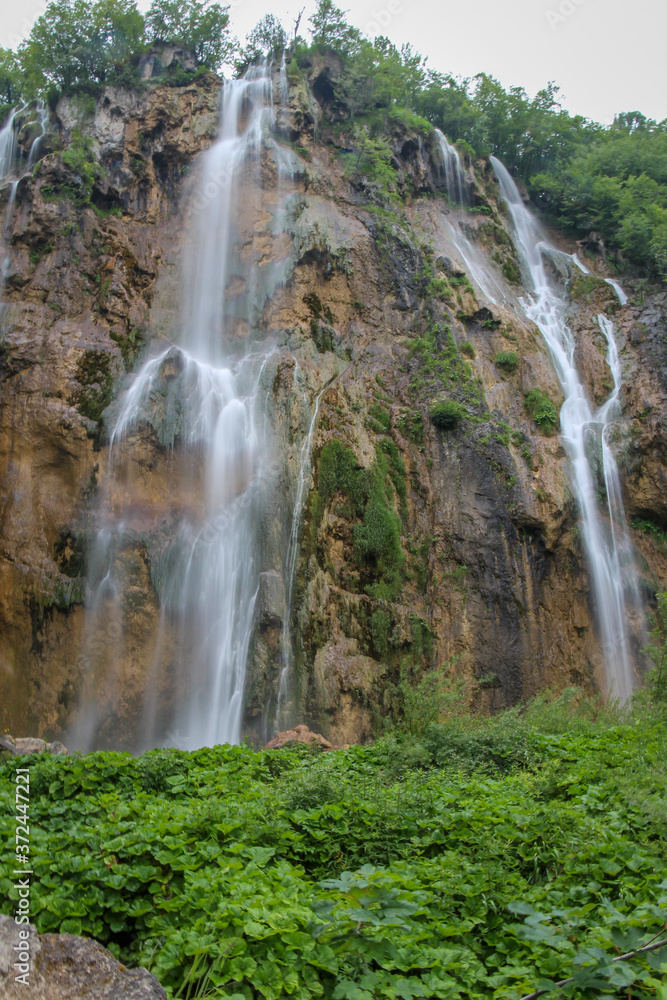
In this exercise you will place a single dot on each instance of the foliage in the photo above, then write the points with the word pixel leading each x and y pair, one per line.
pixel 650 528
pixel 267 40
pixel 478 859
pixel 330 28
pixel 377 540
pixel 542 410
pixel 369 501
pixel 79 158
pixel 446 413
pixel 616 185
pixel 657 649
pixel 77 45
pixel 199 25
pixel 507 361
pixel 10 80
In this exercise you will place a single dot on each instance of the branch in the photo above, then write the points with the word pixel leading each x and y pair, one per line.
pixel 619 958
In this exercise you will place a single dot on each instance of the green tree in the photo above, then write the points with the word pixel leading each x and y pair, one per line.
pixel 10 79
pixel 77 45
pixel 330 28
pixel 198 25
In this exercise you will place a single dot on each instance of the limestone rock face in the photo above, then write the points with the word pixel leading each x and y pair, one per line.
pixel 376 316
pixel 66 967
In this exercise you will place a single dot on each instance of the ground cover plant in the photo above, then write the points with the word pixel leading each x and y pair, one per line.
pixel 479 858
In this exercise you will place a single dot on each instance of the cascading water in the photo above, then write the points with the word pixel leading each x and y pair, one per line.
pixel 203 398
pixel 585 433
pixel 457 193
pixel 292 552
pixel 455 179
pixel 10 168
pixel 8 145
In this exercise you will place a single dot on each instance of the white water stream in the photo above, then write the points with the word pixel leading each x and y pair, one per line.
pixel 212 415
pixel 585 433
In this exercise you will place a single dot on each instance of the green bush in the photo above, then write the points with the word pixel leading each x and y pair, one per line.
pixel 507 361
pixel 467 349
pixel 446 414
pixel 542 411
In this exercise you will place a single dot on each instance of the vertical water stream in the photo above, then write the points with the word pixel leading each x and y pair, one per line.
pixel 585 433
pixel 204 398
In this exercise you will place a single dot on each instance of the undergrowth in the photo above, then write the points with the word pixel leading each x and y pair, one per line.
pixel 455 858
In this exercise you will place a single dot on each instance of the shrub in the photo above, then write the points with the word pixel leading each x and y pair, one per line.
pixel 542 410
pixel 507 361
pixel 467 349
pixel 446 414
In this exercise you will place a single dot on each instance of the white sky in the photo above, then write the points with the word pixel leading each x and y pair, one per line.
pixel 606 55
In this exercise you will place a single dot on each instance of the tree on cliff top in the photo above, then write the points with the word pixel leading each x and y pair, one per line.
pixel 76 44
pixel 330 28
pixel 194 24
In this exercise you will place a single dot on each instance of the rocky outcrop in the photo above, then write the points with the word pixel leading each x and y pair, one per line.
pixel 66 967
pixel 422 545
pixel 300 734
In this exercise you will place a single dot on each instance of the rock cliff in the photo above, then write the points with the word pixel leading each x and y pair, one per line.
pixel 432 534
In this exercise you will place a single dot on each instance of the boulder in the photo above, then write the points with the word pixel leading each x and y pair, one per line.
pixel 66 967
pixel 300 734
pixel 30 744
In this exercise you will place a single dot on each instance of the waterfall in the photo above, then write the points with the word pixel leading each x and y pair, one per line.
pixel 585 433
pixel 451 165
pixel 8 145
pixel 10 169
pixel 292 552
pixel 204 399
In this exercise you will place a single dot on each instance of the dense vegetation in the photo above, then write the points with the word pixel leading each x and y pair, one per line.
pixel 469 858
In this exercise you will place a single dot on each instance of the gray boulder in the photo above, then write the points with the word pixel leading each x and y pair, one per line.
pixel 66 967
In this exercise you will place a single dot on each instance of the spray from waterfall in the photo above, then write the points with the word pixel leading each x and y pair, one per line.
pixel 585 433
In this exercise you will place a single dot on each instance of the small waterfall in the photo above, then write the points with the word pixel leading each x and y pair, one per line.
pixel 8 145
pixel 292 552
pixel 204 400
pixel 455 178
pixel 585 433
pixel 10 169
pixel 284 86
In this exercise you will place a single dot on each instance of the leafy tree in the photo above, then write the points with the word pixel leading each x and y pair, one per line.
pixel 194 24
pixel 77 45
pixel 268 37
pixel 10 78
pixel 330 28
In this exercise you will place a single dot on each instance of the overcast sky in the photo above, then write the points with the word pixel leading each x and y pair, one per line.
pixel 606 55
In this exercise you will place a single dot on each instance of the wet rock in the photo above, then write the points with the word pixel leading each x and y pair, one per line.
pixel 66 967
